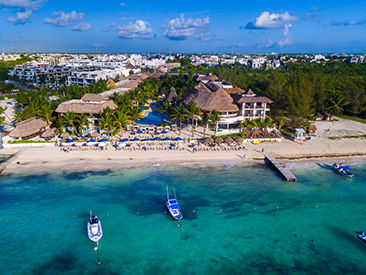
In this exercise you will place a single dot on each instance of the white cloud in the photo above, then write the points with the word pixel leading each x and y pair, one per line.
pixel 205 37
pixel 113 24
pixel 82 27
pixel 64 19
pixel 22 17
pixel 271 21
pixel 123 4
pixel 270 43
pixel 181 29
pixel 23 4
pixel 134 30
pixel 287 38
pixel 25 9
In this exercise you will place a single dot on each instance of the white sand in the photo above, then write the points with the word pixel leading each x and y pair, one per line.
pixel 36 159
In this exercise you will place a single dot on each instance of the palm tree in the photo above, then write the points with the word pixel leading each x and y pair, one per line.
pixel 193 111
pixel 245 124
pixel 336 103
pixel 60 124
pixel 215 118
pixel 164 108
pixel 46 112
pixel 280 123
pixel 106 120
pixel 34 107
pixel 83 121
pixel 205 121
pixel 69 118
pixel 256 123
pixel 134 113
pixel 120 118
pixel 178 113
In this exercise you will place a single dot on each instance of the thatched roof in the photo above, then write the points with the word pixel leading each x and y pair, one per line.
pixel 94 134
pixel 94 98
pixel 234 90
pixel 139 76
pixel 312 128
pixel 49 133
pixel 210 98
pixel 81 107
pixel 130 66
pixel 249 97
pixel 204 78
pixel 228 140
pixel 111 82
pixel 218 140
pixel 172 95
pixel 209 140
pixel 239 140
pixel 65 135
pixel 28 127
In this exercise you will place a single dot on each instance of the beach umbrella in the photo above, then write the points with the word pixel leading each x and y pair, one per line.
pixel 78 143
pixel 65 135
pixel 164 132
pixel 136 139
pixel 218 140
pixel 208 140
pixel 139 132
pixel 156 138
pixel 69 141
pixel 49 133
pixel 103 140
pixel 146 139
pixel 124 140
pixel 121 144
pixel 178 139
pixel 239 140
pixel 167 138
pixel 90 142
pixel 228 140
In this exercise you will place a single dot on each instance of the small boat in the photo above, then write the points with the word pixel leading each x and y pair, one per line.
pixel 342 169
pixel 361 235
pixel 95 232
pixel 173 206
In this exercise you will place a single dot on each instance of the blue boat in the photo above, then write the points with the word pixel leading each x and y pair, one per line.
pixel 361 235
pixel 173 206
pixel 342 169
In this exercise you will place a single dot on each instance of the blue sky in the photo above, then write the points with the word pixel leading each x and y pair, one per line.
pixel 183 26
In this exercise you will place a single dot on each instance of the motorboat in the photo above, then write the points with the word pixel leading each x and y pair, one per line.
pixel 361 235
pixel 95 232
pixel 173 206
pixel 342 169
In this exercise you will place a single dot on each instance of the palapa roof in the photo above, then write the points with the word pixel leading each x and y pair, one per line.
pixel 94 98
pixel 139 76
pixel 234 90
pixel 111 82
pixel 218 140
pixel 312 127
pixel 229 140
pixel 199 77
pixel 249 97
pixel 28 127
pixel 172 95
pixel 211 98
pixel 130 66
pixel 49 133
pixel 79 106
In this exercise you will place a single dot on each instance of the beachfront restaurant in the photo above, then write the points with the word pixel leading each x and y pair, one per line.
pixel 29 128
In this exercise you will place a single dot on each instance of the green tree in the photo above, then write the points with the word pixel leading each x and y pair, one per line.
pixel 194 112
pixel 336 103
pixel 106 120
pixel 215 117
pixel 134 113
pixel 120 118
pixel 46 112
pixel 205 121
pixel 83 121
pixel 179 114
pixel 164 108
pixel 69 119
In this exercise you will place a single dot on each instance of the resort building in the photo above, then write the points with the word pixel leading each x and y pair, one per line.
pixel 234 104
pixel 29 128
pixel 92 105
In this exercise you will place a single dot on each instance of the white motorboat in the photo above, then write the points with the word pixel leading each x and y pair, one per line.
pixel 95 231
pixel 173 206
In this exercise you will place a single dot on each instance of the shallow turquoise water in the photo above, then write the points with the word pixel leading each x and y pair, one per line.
pixel 238 219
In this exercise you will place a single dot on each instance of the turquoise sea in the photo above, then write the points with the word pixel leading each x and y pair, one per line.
pixel 239 218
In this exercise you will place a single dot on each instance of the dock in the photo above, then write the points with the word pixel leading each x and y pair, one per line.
pixel 280 167
pixel 10 160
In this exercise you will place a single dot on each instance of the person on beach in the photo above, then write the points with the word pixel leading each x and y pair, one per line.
pixel 262 150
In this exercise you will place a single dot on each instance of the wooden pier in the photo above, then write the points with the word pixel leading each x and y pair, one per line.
pixel 280 167
pixel 10 160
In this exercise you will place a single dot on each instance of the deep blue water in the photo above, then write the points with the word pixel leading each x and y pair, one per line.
pixel 152 118
pixel 238 219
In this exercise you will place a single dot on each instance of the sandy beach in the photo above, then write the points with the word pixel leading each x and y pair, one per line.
pixel 50 158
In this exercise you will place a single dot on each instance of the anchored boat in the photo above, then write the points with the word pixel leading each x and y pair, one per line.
pixel 361 235
pixel 173 206
pixel 342 169
pixel 95 231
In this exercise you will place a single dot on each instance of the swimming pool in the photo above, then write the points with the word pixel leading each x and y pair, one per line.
pixel 153 117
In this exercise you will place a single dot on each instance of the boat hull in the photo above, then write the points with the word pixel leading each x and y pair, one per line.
pixel 342 172
pixel 95 231
pixel 175 213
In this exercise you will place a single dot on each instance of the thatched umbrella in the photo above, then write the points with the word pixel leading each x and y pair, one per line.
pixel 94 135
pixel 239 140
pixel 218 140
pixel 49 133
pixel 228 140
pixel 209 140
pixel 65 135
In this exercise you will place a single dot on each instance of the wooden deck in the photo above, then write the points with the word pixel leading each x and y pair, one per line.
pixel 280 167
